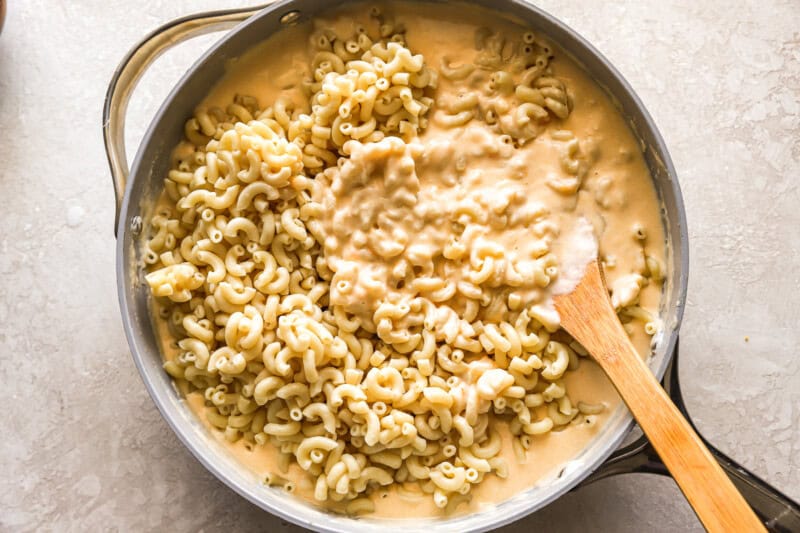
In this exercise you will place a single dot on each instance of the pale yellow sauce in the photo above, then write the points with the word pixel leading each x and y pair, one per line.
pixel 616 194
pixel 546 456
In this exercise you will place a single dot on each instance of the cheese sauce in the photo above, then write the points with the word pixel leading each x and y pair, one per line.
pixel 616 196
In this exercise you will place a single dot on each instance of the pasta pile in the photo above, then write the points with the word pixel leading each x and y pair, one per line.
pixel 372 357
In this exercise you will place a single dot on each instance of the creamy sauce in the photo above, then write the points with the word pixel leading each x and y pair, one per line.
pixel 580 250
pixel 546 456
pixel 616 194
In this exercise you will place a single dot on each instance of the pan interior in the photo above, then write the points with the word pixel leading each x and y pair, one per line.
pixel 152 163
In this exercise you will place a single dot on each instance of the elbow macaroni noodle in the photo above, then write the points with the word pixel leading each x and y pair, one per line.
pixel 326 304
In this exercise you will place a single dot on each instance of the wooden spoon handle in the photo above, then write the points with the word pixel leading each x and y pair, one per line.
pixel 710 492
pixel 720 507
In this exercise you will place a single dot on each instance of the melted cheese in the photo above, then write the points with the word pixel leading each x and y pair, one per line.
pixel 616 195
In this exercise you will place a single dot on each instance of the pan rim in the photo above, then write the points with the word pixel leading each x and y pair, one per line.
pixel 319 520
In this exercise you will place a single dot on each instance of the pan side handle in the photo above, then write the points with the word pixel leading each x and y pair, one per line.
pixel 778 512
pixel 130 71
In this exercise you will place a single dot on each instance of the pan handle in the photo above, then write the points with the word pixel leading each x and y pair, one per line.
pixel 130 70
pixel 777 511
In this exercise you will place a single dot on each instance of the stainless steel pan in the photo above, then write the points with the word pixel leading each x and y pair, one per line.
pixel 136 191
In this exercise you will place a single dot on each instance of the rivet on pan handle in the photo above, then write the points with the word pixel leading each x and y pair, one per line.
pixel 778 512
pixel 130 70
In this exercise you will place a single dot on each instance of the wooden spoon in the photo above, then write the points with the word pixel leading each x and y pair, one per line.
pixel 587 314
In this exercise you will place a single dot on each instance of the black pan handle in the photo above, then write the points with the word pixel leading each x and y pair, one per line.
pixel 777 511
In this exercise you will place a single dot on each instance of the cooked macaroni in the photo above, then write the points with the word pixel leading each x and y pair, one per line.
pixel 358 272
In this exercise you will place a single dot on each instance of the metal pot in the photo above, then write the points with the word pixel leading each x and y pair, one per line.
pixel 137 190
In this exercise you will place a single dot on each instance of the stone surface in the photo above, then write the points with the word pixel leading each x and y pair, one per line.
pixel 84 448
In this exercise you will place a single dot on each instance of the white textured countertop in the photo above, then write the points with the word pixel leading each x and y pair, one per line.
pixel 83 447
